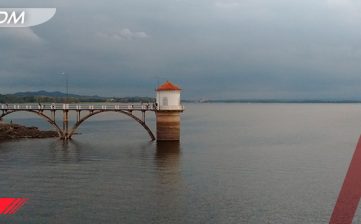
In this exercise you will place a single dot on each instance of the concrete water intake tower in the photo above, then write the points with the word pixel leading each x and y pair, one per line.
pixel 168 112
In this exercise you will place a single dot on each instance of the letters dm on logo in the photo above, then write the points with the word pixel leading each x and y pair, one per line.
pixel 25 17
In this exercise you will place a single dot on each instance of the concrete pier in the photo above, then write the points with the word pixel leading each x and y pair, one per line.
pixel 168 125
pixel 168 112
pixel 83 113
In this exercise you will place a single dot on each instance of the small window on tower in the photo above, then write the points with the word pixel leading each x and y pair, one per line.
pixel 165 101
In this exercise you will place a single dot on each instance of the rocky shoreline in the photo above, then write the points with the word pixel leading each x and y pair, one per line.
pixel 15 131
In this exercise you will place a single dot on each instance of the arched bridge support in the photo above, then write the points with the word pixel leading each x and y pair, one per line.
pixel 40 113
pixel 83 113
pixel 92 113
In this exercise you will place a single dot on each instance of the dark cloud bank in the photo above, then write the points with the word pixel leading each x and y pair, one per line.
pixel 214 49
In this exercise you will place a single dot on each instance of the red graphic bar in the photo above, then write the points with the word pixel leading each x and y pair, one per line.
pixel 12 206
pixel 9 206
pixel 350 193
pixel 18 206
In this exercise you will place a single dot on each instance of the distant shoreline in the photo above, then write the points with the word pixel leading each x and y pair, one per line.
pixel 278 101
pixel 204 102
pixel 59 97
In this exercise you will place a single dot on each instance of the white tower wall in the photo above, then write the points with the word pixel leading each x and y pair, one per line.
pixel 169 100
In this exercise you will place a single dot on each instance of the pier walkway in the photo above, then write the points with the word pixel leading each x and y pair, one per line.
pixel 49 112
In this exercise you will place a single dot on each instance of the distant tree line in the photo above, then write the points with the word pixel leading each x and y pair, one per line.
pixel 135 99
pixel 11 98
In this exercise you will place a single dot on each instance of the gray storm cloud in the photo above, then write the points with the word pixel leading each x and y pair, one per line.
pixel 124 34
pixel 212 48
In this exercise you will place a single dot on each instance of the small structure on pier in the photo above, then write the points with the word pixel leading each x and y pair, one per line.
pixel 168 112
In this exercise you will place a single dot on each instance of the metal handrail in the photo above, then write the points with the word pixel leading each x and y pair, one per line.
pixel 77 107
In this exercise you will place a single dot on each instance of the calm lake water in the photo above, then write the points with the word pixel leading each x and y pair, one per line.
pixel 236 163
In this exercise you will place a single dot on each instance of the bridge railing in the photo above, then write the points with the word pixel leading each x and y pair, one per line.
pixel 77 107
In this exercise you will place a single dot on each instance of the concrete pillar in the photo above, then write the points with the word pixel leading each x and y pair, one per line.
pixel 168 125
pixel 168 112
pixel 66 124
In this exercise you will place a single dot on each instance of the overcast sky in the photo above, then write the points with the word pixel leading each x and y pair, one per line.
pixel 213 49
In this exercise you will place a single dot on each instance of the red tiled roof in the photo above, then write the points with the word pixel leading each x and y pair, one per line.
pixel 168 86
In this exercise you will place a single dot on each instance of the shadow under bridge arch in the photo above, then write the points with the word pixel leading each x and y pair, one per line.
pixel 51 121
pixel 95 112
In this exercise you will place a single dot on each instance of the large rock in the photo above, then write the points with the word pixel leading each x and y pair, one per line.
pixel 15 131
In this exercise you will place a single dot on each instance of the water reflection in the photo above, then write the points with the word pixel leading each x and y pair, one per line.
pixel 63 151
pixel 167 160
pixel 167 155
pixel 170 183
